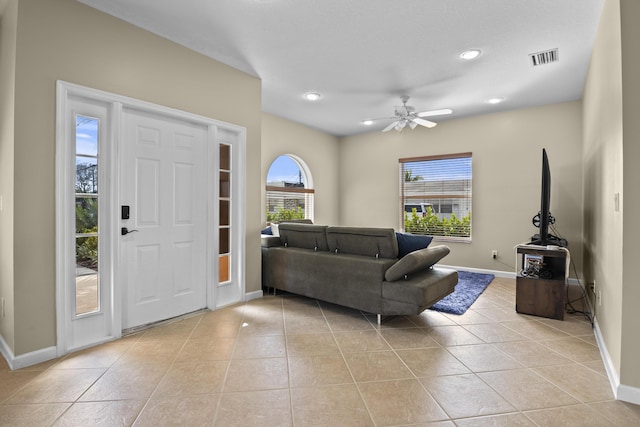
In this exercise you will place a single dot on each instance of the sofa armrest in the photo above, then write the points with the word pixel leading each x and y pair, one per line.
pixel 270 241
pixel 415 261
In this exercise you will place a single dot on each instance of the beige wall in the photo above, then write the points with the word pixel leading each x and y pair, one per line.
pixel 318 150
pixel 603 176
pixel 8 23
pixel 507 155
pixel 63 39
pixel 611 149
pixel 629 368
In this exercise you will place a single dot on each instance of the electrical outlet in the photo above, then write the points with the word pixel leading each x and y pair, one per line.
pixel 494 254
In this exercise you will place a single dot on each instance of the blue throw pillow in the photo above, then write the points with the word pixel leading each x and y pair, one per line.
pixel 408 243
pixel 267 231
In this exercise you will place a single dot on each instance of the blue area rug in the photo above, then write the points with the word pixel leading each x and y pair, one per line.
pixel 469 287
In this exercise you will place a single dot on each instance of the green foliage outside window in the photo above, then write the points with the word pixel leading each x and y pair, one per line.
pixel 431 225
pixel 282 214
pixel 87 222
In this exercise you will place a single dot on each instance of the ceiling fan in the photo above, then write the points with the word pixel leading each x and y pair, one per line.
pixel 406 115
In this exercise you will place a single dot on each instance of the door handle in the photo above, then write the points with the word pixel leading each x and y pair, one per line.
pixel 124 231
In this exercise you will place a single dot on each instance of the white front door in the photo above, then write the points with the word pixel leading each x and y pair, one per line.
pixel 163 187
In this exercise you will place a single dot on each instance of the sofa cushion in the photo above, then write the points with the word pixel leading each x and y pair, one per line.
pixel 408 243
pixel 301 235
pixel 374 242
pixel 416 261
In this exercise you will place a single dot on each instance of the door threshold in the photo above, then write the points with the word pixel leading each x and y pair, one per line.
pixel 136 329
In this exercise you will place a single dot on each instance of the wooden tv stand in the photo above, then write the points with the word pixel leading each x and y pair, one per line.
pixel 541 279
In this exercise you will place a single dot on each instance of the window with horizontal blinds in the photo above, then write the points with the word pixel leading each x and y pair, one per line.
pixel 436 196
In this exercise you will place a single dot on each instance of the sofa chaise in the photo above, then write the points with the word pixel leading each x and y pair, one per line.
pixel 355 267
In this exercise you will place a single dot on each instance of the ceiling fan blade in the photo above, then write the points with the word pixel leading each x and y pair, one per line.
pixel 391 126
pixel 423 122
pixel 435 113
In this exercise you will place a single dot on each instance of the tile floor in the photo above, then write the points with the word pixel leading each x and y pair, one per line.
pixel 291 361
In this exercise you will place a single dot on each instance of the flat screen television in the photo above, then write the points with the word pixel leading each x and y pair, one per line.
pixel 544 219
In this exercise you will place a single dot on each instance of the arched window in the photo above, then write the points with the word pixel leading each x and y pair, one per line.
pixel 289 190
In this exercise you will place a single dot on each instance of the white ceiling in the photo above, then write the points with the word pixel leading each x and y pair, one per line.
pixel 362 55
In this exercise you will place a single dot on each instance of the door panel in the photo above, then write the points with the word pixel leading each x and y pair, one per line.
pixel 164 255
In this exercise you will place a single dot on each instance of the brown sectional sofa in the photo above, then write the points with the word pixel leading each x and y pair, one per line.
pixel 355 267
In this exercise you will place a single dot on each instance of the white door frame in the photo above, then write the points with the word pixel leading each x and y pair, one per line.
pixel 218 131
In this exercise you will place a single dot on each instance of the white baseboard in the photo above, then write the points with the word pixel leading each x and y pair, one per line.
pixel 27 359
pixel 620 391
pixel 253 295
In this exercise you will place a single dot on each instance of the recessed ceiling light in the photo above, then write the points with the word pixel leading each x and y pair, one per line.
pixel 367 122
pixel 470 54
pixel 312 96
pixel 495 100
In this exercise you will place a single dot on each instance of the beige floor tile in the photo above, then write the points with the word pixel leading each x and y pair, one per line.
pixel 572 325
pixel 318 371
pixel 202 350
pixel 36 415
pixel 126 382
pixel 339 322
pixel 175 331
pixel 534 330
pixel 329 309
pixel 255 327
pixel 102 356
pixel 301 307
pixel 483 357
pixel 463 396
pixel 580 382
pixel 470 317
pixel 179 411
pixel 101 414
pixel 330 406
pixel 56 386
pixel 218 329
pixel 147 352
pixel 532 354
pixel 358 341
pixel 377 366
pixel 400 402
pixel 255 408
pixel 596 366
pixel 431 362
pixel 500 313
pixel 311 345
pixel 408 338
pixel 508 420
pixel 574 348
pixel 391 322
pixel 430 318
pixel 192 378
pixel 527 390
pixel 12 381
pixel 618 413
pixel 453 335
pixel 257 374
pixel 295 324
pixel 578 415
pixel 258 347
pixel 494 332
pixel 228 314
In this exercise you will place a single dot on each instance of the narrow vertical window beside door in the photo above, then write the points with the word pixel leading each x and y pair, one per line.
pixel 87 291
pixel 224 226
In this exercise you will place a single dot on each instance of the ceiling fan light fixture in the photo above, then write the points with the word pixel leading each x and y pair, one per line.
pixel 470 54
pixel 412 125
pixel 312 96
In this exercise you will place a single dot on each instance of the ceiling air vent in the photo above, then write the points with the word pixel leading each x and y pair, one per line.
pixel 545 57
